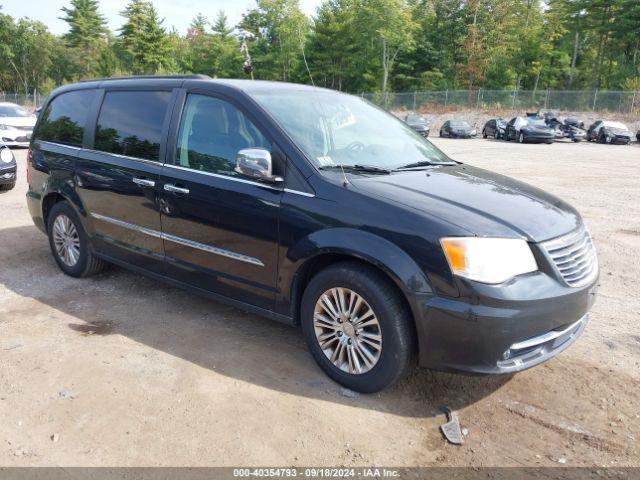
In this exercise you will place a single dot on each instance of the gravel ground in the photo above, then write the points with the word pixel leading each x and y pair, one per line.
pixel 120 370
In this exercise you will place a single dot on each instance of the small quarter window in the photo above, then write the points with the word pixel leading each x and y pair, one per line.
pixel 63 121
pixel 130 123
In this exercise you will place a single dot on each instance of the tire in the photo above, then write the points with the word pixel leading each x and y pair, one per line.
pixel 441 135
pixel 601 138
pixel 82 262
pixel 394 326
pixel 7 186
pixel 484 133
pixel 496 135
pixel 521 138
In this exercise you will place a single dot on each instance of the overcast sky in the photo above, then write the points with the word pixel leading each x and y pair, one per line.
pixel 178 13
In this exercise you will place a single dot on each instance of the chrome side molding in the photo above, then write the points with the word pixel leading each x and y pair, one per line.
pixel 182 241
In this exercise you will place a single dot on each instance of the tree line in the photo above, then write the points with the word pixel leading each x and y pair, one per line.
pixel 350 45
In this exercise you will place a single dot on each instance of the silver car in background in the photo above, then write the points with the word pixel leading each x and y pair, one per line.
pixel 16 125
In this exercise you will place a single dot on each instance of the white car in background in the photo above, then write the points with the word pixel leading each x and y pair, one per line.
pixel 16 125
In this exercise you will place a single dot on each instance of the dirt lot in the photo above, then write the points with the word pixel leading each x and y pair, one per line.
pixel 120 370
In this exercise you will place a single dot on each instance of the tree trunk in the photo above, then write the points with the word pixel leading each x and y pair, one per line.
pixel 385 66
pixel 526 27
pixel 574 58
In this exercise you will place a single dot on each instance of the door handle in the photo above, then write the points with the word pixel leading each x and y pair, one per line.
pixel 143 182
pixel 172 188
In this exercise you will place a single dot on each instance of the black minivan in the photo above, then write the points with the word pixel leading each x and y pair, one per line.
pixel 315 208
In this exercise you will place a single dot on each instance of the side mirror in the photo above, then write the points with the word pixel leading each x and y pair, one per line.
pixel 256 163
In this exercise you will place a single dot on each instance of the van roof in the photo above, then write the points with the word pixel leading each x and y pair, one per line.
pixel 249 86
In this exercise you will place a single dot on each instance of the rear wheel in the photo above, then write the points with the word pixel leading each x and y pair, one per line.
pixel 7 186
pixel 357 327
pixel 484 133
pixel 69 243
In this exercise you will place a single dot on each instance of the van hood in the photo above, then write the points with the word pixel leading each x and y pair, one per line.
pixel 479 201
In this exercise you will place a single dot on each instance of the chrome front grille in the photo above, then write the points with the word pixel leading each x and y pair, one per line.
pixel 574 256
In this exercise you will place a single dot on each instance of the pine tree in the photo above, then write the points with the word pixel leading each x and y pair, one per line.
pixel 87 33
pixel 144 38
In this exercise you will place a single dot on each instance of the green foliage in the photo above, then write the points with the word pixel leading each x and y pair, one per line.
pixel 350 45
pixel 144 39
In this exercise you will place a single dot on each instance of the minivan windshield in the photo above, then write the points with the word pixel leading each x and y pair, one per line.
pixel 334 129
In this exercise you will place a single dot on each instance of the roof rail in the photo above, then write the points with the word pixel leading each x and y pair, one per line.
pixel 151 77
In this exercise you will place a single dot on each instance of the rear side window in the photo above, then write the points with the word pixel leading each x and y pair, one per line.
pixel 64 119
pixel 130 123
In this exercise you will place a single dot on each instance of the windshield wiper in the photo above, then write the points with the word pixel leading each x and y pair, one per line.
pixel 425 163
pixel 357 168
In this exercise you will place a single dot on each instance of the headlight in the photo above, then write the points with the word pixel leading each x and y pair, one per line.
pixel 488 260
pixel 473 132
pixel 6 156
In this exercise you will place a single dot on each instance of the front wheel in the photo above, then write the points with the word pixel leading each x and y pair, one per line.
pixel 69 242
pixel 484 133
pixel 521 138
pixel 357 327
pixel 7 186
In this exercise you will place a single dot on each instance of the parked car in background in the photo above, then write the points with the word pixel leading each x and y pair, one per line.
pixel 638 136
pixel 494 128
pixel 569 127
pixel 229 189
pixel 606 131
pixel 418 123
pixel 8 168
pixel 529 129
pixel 457 129
pixel 16 125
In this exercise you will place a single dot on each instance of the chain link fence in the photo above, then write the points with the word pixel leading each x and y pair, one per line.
pixel 529 100
pixel 29 100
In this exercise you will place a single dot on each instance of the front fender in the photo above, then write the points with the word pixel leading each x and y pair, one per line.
pixel 365 246
pixel 357 244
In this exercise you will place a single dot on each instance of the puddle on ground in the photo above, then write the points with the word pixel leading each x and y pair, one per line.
pixel 93 328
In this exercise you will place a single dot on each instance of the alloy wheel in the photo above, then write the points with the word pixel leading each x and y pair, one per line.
pixel 66 240
pixel 347 330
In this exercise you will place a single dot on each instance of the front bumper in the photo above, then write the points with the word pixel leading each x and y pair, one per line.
pixel 502 328
pixel 618 139
pixel 533 138
pixel 15 138
pixel 460 135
